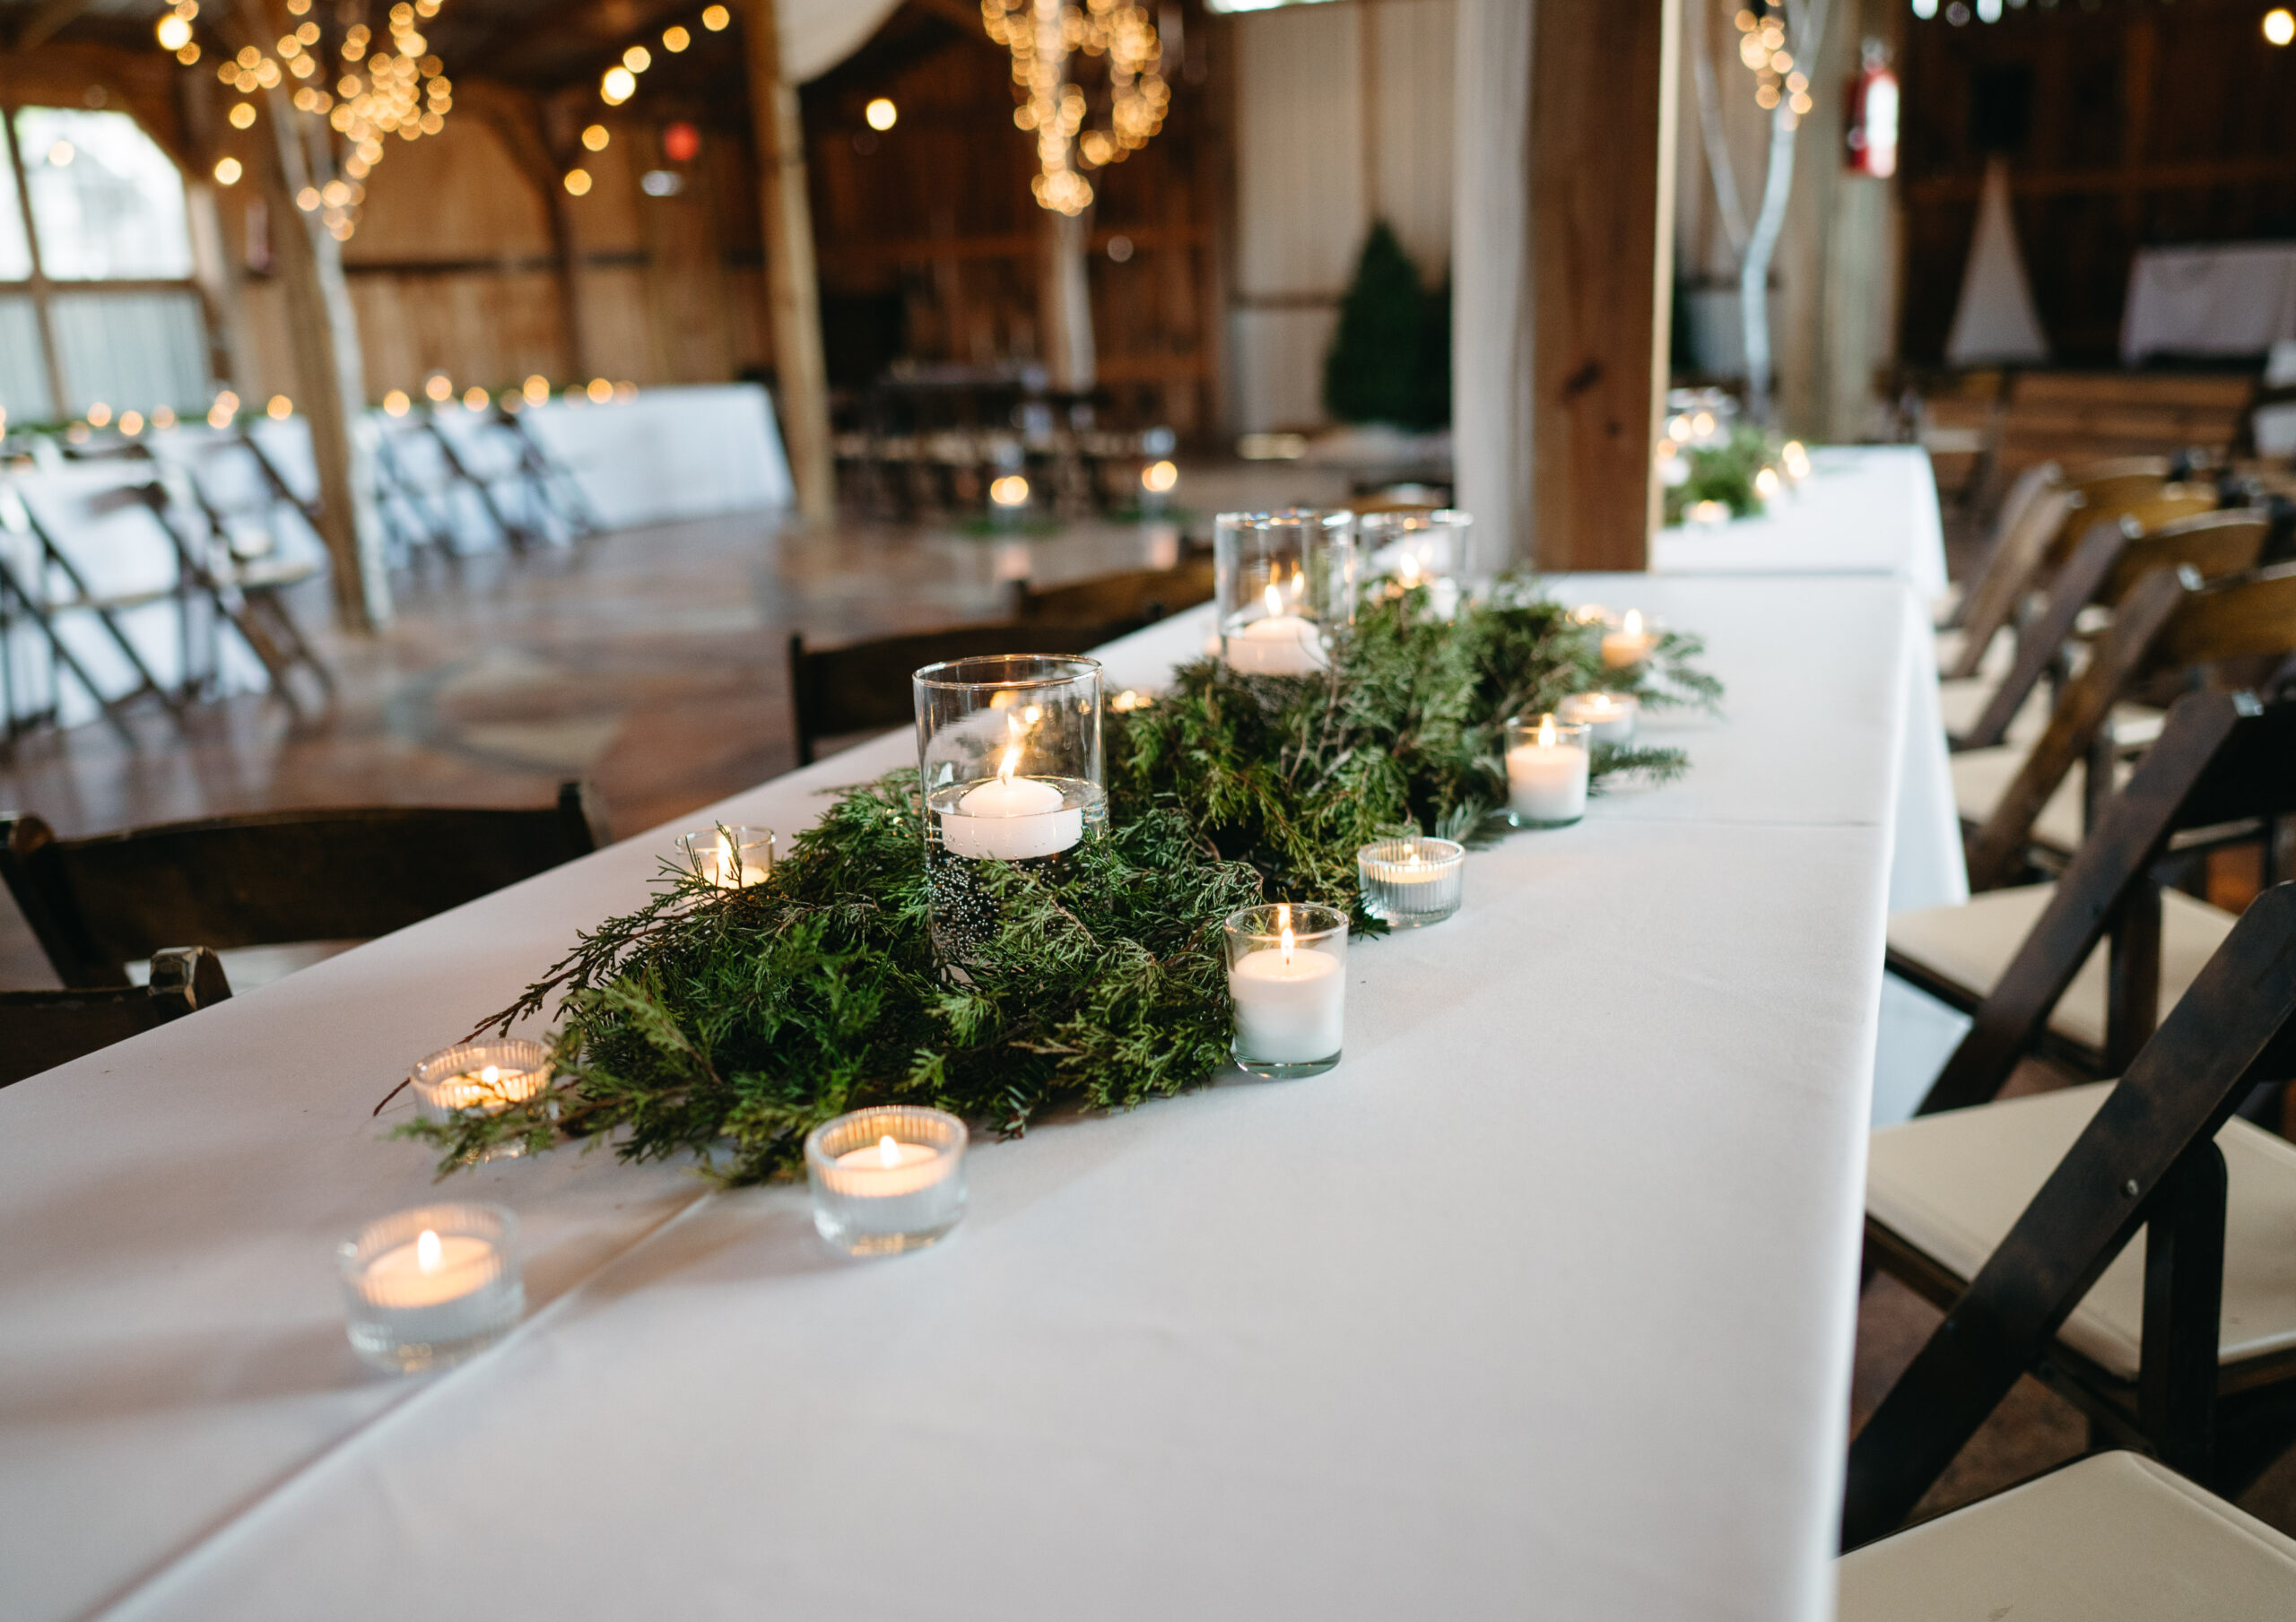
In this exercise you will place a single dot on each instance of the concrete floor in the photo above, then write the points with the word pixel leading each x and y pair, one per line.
pixel 654 664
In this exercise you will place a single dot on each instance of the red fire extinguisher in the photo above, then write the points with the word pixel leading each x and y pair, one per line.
pixel 1873 122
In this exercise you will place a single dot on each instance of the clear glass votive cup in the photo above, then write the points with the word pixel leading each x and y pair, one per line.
pixel 1417 547
pixel 425 1288
pixel 1287 976
pixel 1627 641
pixel 1411 881
pixel 1284 584
pixel 886 1179
pixel 1547 759
pixel 482 1078
pixel 1008 748
pixel 728 857
pixel 1610 717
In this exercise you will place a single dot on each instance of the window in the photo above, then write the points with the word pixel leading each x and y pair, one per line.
pixel 111 287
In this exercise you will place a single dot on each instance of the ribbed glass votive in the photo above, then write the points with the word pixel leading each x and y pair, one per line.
pixel 1411 881
pixel 1609 718
pixel 886 1179
pixel 482 1078
pixel 427 1288
pixel 1287 974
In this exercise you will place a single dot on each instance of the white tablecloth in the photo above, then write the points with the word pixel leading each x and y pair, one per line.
pixel 1541 1303
pixel 670 453
pixel 2228 298
pixel 1866 510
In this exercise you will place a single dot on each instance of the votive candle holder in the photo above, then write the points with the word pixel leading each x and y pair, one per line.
pixel 886 1179
pixel 1284 583
pixel 728 856
pixel 1287 976
pixel 1610 717
pixel 1547 761
pixel 1414 547
pixel 428 1288
pixel 1411 881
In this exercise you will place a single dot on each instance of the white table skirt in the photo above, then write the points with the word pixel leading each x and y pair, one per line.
pixel 1547 1291
pixel 1866 510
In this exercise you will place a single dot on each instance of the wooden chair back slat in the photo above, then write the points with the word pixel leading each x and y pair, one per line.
pixel 2148 1156
pixel 2253 617
pixel 2154 507
pixel 863 687
pixel 2214 544
pixel 275 877
pixel 41 1030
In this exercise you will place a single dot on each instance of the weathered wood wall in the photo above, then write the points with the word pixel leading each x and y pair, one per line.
pixel 2143 123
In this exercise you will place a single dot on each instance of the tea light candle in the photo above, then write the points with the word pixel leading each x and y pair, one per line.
pixel 1280 644
pixel 1010 818
pixel 729 858
pixel 1630 644
pixel 1546 772
pixel 886 1179
pixel 1411 881
pixel 487 1077
pixel 1286 976
pixel 1609 718
pixel 428 1288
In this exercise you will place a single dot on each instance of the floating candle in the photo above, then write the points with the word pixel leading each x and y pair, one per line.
pixel 1279 643
pixel 1011 818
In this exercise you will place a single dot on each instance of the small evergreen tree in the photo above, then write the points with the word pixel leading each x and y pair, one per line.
pixel 1382 366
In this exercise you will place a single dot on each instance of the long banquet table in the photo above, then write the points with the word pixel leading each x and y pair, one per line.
pixel 1542 1303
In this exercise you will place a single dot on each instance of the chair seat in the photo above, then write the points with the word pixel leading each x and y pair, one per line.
pixel 1982 776
pixel 1970 946
pixel 2113 1538
pixel 1951 1185
pixel 1999 654
pixel 1961 702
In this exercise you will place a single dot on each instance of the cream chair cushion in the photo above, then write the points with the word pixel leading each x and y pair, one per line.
pixel 1951 1185
pixel 2115 1537
pixel 1982 776
pixel 1963 702
pixel 1970 946
pixel 2000 654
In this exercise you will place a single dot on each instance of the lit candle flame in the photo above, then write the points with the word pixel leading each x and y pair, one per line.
pixel 491 1075
pixel 888 1151
pixel 427 1256
pixel 1299 582
pixel 1012 761
pixel 728 866
pixel 1409 571
pixel 1275 600
pixel 1546 732
pixel 1284 927
pixel 1633 624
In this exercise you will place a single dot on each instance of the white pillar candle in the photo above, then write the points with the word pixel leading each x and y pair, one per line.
pixel 1281 644
pixel 1609 718
pixel 1547 778
pixel 1630 644
pixel 1289 1003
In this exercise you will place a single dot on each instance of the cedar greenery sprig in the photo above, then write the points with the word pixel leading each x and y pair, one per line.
pixel 727 1024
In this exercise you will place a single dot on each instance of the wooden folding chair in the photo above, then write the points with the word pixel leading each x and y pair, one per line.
pixel 2080 967
pixel 1134 597
pixel 863 687
pixel 2170 625
pixel 273 878
pixel 2017 1215
pixel 1991 604
pixel 2106 568
pixel 41 1030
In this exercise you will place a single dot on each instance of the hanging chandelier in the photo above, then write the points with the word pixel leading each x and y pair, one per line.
pixel 1044 38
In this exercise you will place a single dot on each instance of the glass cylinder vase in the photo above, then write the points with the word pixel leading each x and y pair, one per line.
pixel 1416 548
pixel 1285 585
pixel 1287 977
pixel 1008 753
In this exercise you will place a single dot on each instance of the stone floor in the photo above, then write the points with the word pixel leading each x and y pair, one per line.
pixel 654 664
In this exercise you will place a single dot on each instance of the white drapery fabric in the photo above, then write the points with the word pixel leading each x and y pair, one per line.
pixel 1996 320
pixel 1491 289
pixel 816 35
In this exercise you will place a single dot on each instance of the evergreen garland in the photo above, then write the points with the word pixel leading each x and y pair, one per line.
pixel 729 1023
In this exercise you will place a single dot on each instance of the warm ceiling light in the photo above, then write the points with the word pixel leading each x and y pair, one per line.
pixel 638 58
pixel 439 386
pixel 227 171
pixel 279 408
pixel 2278 25
pixel 578 182
pixel 716 18
pixel 476 399
pixel 676 40
pixel 596 137
pixel 617 85
pixel 881 114
pixel 536 389
pixel 174 34
pixel 396 404
pixel 242 114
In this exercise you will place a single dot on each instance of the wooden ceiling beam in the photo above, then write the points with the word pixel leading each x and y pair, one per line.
pixel 52 18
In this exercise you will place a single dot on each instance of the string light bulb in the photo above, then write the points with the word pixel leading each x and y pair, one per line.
pixel 2278 25
pixel 596 137
pixel 881 113
pixel 675 39
pixel 716 18
pixel 1043 37
pixel 578 182
pixel 227 171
